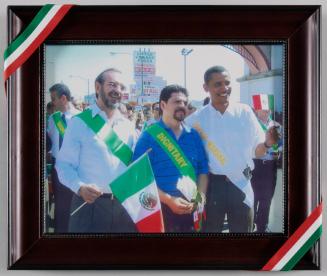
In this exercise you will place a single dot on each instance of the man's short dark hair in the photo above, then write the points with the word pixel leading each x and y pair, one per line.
pixel 206 101
pixel 129 107
pixel 100 77
pixel 212 70
pixel 61 89
pixel 154 104
pixel 170 89
pixel 190 106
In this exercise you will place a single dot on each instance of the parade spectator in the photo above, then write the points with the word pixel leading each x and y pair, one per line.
pixel 139 122
pixel 155 115
pixel 264 175
pixel 64 111
pixel 130 113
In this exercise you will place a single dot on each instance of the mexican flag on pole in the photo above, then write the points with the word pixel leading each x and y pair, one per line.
pixel 263 102
pixel 137 191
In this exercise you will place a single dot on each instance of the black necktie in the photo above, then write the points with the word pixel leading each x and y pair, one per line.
pixel 60 136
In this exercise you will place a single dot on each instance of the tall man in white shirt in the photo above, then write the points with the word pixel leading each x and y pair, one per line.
pixel 57 123
pixel 97 148
pixel 232 137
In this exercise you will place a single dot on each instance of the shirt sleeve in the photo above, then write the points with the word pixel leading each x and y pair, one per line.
pixel 68 158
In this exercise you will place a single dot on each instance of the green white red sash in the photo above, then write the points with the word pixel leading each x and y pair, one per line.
pixel 32 37
pixel 181 162
pixel 116 146
pixel 298 244
pixel 59 123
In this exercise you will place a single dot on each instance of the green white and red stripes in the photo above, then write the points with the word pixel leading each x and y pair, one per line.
pixel 263 102
pixel 298 244
pixel 32 37
pixel 137 191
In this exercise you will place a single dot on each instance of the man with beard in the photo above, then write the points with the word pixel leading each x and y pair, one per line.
pixel 178 160
pixel 97 148
pixel 232 137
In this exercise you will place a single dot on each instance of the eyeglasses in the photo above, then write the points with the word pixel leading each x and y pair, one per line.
pixel 115 85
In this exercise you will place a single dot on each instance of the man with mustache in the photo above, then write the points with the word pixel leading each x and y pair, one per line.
pixel 97 148
pixel 173 148
pixel 232 137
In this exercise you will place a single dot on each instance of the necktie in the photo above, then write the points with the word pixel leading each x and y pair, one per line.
pixel 60 137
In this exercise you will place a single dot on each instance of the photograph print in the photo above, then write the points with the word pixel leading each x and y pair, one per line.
pixel 164 138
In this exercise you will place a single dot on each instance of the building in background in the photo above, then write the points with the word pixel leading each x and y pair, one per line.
pixel 147 85
pixel 263 73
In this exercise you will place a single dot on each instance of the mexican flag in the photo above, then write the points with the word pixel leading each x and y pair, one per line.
pixel 137 191
pixel 263 102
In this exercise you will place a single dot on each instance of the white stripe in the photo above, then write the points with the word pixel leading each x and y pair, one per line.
pixel 32 36
pixel 293 250
pixel 104 131
pixel 264 102
pixel 134 207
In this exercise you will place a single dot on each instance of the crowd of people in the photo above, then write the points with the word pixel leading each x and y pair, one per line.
pixel 222 149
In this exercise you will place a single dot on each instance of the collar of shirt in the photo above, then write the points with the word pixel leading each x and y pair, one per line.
pixel 185 129
pixel 116 116
pixel 214 112
pixel 70 112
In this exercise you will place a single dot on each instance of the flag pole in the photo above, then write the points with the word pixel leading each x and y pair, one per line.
pixel 77 209
pixel 82 205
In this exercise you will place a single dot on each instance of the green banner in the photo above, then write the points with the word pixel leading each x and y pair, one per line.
pixel 113 142
pixel 60 124
pixel 173 150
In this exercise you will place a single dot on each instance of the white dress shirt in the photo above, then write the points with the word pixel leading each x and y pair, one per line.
pixel 53 132
pixel 230 140
pixel 84 157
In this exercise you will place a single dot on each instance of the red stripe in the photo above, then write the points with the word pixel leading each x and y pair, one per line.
pixel 37 41
pixel 294 238
pixel 256 102
pixel 151 224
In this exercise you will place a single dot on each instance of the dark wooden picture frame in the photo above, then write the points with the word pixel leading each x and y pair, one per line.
pixel 297 26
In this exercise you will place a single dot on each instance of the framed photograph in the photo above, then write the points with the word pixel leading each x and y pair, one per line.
pixel 271 56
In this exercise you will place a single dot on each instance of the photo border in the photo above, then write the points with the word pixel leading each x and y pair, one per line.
pixel 163 43
pixel 29 248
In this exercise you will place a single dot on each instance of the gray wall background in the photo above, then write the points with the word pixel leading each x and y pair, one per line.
pixel 4 130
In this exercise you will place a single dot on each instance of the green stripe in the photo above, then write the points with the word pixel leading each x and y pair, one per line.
pixel 304 249
pixel 135 178
pixel 95 123
pixel 185 169
pixel 271 102
pixel 29 29
pixel 118 147
pixel 59 123
pixel 263 126
pixel 112 140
